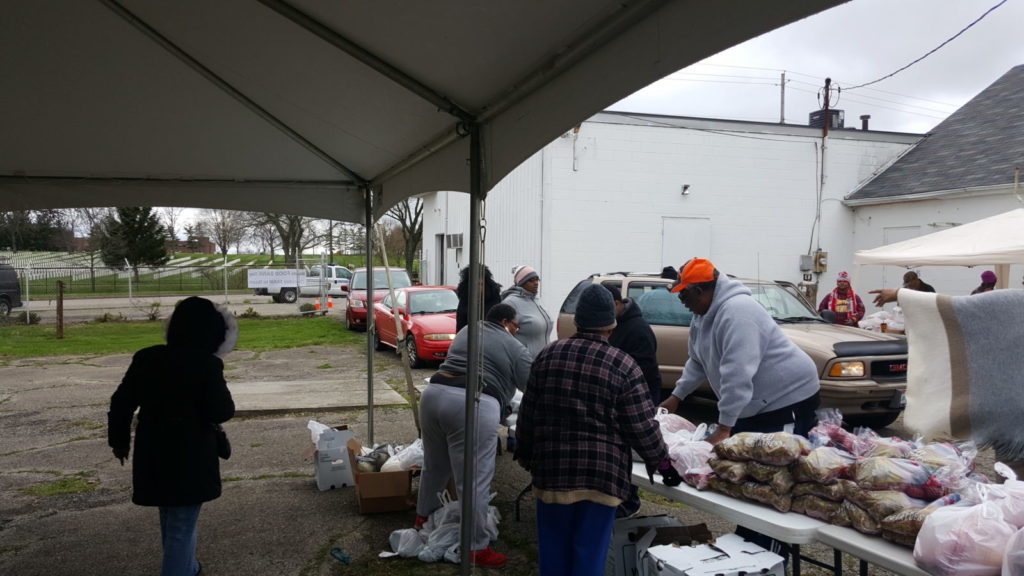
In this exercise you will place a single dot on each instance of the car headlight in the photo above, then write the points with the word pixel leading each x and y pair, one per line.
pixel 852 369
pixel 356 303
pixel 439 336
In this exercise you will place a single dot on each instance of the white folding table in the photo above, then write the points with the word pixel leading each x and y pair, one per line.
pixel 871 549
pixel 793 529
pixel 789 527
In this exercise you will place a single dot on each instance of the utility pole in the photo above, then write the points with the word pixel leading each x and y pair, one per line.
pixel 782 99
pixel 824 125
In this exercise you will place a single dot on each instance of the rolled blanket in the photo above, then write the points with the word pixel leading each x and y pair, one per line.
pixel 964 367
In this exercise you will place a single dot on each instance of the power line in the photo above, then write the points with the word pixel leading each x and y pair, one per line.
pixel 817 81
pixel 880 99
pixel 885 107
pixel 933 50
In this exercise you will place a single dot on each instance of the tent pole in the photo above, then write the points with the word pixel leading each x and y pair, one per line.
pixel 369 315
pixel 474 352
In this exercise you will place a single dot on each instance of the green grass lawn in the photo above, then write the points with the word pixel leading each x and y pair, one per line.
pixel 255 334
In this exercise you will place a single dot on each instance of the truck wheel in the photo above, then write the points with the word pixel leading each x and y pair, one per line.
pixel 410 347
pixel 289 295
pixel 5 307
pixel 871 420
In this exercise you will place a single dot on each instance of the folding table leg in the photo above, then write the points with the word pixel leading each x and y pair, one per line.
pixel 837 562
pixel 796 558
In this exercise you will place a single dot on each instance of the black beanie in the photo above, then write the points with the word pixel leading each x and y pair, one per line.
pixel 595 309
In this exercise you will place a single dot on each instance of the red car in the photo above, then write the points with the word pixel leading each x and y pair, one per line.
pixel 427 315
pixel 355 309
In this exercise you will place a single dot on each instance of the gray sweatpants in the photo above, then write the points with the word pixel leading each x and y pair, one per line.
pixel 443 420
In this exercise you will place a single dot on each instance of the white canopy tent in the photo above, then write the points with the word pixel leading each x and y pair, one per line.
pixel 327 109
pixel 994 241
pixel 300 106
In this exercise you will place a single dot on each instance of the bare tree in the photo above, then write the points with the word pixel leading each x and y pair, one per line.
pixel 225 227
pixel 394 241
pixel 409 215
pixel 262 234
pixel 297 233
pixel 171 215
pixel 350 238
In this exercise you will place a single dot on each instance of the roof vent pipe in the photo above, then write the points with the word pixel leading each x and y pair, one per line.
pixel 864 121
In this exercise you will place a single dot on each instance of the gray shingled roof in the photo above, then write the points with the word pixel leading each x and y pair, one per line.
pixel 978 145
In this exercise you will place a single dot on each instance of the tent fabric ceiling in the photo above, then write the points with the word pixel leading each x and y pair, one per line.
pixel 295 106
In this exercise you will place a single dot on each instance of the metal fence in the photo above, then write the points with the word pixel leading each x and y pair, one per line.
pixel 84 281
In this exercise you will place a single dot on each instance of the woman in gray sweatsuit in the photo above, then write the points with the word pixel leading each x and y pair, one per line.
pixel 506 367
pixel 534 321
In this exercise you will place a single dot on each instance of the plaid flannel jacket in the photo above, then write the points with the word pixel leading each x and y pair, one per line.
pixel 586 404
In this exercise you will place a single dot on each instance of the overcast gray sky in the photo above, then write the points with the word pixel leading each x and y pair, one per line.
pixel 854 43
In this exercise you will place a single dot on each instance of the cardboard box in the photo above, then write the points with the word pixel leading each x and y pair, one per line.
pixel 380 491
pixel 730 555
pixel 332 464
pixel 622 554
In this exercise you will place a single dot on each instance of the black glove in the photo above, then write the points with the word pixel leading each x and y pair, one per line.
pixel 669 476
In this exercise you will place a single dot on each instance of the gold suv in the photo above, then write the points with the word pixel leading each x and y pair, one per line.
pixel 863 374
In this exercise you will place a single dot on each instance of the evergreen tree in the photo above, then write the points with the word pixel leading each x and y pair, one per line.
pixel 135 235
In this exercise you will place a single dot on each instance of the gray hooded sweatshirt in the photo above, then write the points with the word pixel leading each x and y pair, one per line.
pixel 751 365
pixel 534 322
pixel 506 362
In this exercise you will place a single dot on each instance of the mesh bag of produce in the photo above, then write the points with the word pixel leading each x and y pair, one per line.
pixel 823 465
pixel 766 495
pixel 820 508
pixel 882 503
pixel 726 487
pixel 729 470
pixel 859 519
pixel 777 448
pixel 778 477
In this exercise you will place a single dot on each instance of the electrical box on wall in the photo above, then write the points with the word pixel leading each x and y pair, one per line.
pixel 820 262
pixel 806 263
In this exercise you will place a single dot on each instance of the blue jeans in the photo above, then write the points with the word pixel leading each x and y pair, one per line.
pixel 572 539
pixel 179 531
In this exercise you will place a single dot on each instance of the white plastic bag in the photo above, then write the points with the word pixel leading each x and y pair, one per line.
pixel 439 541
pixel 406 542
pixel 1013 562
pixel 316 429
pixel 1012 491
pixel 968 540
pixel 406 458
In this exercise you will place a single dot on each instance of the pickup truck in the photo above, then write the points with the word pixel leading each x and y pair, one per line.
pixel 862 373
pixel 287 284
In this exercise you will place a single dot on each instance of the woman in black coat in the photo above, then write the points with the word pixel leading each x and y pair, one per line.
pixel 492 295
pixel 181 395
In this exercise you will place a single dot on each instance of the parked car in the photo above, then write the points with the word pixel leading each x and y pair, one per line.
pixel 356 308
pixel 863 374
pixel 10 290
pixel 427 315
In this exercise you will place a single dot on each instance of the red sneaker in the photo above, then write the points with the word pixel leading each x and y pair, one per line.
pixel 420 521
pixel 488 558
